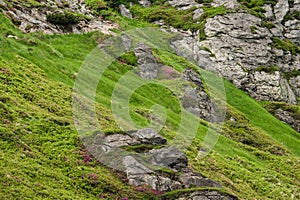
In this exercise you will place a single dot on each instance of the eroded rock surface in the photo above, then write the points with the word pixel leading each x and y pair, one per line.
pixel 35 18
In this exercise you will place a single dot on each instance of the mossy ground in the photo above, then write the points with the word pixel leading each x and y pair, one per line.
pixel 257 156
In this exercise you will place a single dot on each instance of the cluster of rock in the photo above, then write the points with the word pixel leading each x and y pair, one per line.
pixel 288 118
pixel 159 166
pixel 239 48
pixel 35 18
pixel 193 96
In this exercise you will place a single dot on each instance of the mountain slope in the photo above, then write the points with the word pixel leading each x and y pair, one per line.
pixel 257 156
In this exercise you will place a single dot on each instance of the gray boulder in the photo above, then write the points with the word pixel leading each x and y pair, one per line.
pixel 183 4
pixel 169 157
pixel 195 100
pixel 192 179
pixel 149 136
pixel 124 11
pixel 147 63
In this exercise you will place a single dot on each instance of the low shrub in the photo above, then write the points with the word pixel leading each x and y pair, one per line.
pixel 65 18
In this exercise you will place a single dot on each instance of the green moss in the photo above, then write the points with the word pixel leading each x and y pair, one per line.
pixel 267 69
pixel 66 18
pixel 286 45
pixel 291 74
pixel 268 25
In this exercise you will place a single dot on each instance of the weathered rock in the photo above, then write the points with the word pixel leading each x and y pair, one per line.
pixel 191 49
pixel 206 195
pixel 240 46
pixel 34 19
pixel 195 100
pixel 197 13
pixel 196 180
pixel 149 136
pixel 3 4
pixel 124 11
pixel 127 43
pixel 146 61
pixel 286 117
pixel 168 157
pixel 133 167
pixel 120 140
pixel 140 175
pixel 296 5
pixel 183 4
pixel 269 12
pixel 292 30
pixel 281 9
pixel 295 84
pixel 230 4
pixel 145 3
pixel 270 87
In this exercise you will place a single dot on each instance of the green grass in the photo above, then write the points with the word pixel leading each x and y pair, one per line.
pixel 256 156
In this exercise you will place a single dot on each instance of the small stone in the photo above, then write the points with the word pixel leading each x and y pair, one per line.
pixel 124 11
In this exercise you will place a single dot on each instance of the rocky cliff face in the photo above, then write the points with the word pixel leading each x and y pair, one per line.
pixel 242 50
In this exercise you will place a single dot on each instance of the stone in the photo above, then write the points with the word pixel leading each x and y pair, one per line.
pixel 195 100
pixel 169 157
pixel 192 179
pixel 140 175
pixel 269 12
pixel 292 30
pixel 286 117
pixel 280 10
pixel 34 19
pixel 197 13
pixel 295 84
pixel 270 87
pixel 205 195
pixel 191 49
pixel 147 63
pixel 3 4
pixel 149 136
pixel 230 4
pixel 124 11
pixel 127 43
pixel 183 4
pixel 145 3
pixel 133 167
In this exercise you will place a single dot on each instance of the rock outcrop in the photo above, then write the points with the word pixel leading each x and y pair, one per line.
pixel 158 165
pixel 35 18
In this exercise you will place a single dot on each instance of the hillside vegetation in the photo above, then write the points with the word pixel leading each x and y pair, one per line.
pixel 42 157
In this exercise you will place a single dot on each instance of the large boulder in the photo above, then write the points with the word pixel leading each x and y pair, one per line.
pixel 169 157
pixel 146 62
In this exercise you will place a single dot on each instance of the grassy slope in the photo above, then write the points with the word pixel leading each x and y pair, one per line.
pixel 40 149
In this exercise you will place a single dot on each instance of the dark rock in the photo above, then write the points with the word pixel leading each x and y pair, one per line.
pixel 192 179
pixel 195 100
pixel 149 136
pixel 146 61
pixel 168 157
